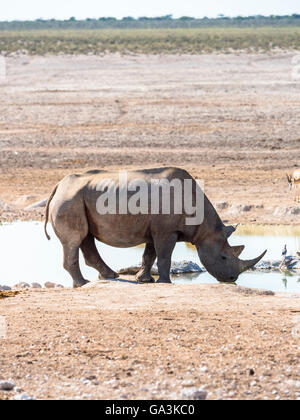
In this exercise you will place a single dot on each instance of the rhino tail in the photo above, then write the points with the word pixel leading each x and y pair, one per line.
pixel 47 211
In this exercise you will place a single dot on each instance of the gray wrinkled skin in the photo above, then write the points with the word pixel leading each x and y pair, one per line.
pixel 72 211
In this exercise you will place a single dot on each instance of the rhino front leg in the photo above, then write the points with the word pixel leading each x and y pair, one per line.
pixel 93 259
pixel 164 247
pixel 71 264
pixel 144 275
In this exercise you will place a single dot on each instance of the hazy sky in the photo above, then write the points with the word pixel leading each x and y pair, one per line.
pixel 64 9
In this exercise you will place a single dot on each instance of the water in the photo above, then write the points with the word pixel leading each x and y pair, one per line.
pixel 26 255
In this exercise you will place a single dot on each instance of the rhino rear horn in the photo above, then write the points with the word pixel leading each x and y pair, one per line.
pixel 237 250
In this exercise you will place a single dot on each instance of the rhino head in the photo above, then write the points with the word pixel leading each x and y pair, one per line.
pixel 222 260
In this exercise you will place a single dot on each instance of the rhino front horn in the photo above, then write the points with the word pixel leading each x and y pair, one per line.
pixel 247 264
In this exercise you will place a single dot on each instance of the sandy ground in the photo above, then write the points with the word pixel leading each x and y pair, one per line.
pixel 229 119
pixel 125 341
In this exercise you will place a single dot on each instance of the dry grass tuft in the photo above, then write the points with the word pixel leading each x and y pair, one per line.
pixel 4 295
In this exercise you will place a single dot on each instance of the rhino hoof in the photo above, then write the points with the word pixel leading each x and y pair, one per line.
pixel 107 276
pixel 80 284
pixel 143 280
pixel 164 281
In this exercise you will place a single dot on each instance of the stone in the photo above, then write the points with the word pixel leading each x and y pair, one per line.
pixel 4 206
pixel 25 200
pixel 188 383
pixel 194 394
pixel 222 205
pixel 296 266
pixel 39 204
pixel 281 211
pixel 185 267
pixel 6 288
pixel 131 271
pixel 7 385
pixel 263 265
pixel 235 209
pixel 22 285
pixel 36 286
pixel 23 397
pixel 50 285
pixel 295 210
pixel 247 208
pixel 180 267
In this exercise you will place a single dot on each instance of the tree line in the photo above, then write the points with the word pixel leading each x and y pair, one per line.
pixel 161 22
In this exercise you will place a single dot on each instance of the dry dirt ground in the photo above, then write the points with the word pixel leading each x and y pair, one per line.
pixel 121 340
pixel 232 120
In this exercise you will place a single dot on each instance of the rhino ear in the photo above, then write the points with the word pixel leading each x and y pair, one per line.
pixel 228 231
pixel 237 250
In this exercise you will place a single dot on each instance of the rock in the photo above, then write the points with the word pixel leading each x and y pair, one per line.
pixel 275 263
pixel 264 265
pixel 246 291
pixel 50 285
pixel 176 268
pixel 36 286
pixel 296 266
pixel 131 271
pixel 25 200
pixel 7 385
pixel 23 397
pixel 222 205
pixel 245 208
pixel 295 210
pixel 39 204
pixel 5 288
pixel 281 211
pixel 188 383
pixel 154 270
pixel 236 209
pixel 22 285
pixel 185 267
pixel 194 394
pixel 4 206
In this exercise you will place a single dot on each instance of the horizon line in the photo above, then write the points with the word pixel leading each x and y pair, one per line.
pixel 170 16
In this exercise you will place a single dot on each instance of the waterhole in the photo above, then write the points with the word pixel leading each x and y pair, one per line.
pixel 27 256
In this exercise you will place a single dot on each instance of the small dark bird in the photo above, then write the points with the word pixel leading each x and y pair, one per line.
pixel 284 252
pixel 298 253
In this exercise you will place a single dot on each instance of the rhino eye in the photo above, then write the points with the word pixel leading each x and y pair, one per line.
pixel 224 258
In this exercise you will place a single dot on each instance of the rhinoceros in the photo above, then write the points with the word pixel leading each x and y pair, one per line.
pixel 73 211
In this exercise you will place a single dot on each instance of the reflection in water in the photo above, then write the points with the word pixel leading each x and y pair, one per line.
pixel 26 255
pixel 284 281
pixel 290 276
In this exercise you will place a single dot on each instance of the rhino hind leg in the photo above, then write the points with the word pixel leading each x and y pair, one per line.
pixel 93 259
pixel 144 275
pixel 164 246
pixel 71 264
